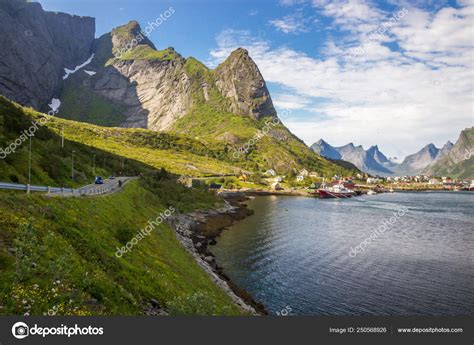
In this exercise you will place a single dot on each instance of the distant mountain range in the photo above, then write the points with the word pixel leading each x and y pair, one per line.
pixel 430 159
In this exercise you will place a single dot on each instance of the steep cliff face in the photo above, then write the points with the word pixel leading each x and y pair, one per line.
pixel 458 161
pixel 239 79
pixel 154 88
pixel 36 47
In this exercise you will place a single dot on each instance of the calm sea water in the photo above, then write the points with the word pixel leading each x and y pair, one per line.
pixel 294 254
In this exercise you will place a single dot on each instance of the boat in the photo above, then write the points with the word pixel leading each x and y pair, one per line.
pixel 371 192
pixel 336 191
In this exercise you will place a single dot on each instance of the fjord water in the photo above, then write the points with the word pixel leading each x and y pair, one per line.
pixel 293 253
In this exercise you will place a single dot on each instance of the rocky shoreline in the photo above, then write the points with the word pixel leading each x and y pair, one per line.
pixel 197 230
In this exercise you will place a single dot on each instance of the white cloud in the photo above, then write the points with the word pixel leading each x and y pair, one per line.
pixel 351 15
pixel 400 100
pixel 294 23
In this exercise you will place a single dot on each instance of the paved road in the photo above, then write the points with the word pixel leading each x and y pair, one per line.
pixel 109 186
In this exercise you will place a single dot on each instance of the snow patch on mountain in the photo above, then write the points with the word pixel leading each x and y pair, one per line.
pixel 72 71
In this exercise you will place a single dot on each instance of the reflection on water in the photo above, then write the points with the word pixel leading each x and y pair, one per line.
pixel 295 252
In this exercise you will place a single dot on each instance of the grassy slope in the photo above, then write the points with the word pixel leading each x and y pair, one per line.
pixel 197 153
pixel 51 164
pixel 73 241
pixel 144 52
pixel 463 169
pixel 176 153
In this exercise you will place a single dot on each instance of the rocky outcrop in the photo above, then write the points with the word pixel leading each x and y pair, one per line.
pixel 197 230
pixel 154 88
pixel 36 47
pixel 239 79
pixel 152 93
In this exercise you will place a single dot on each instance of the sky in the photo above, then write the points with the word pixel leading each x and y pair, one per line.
pixel 393 73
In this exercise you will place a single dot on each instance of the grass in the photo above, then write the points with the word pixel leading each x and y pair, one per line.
pixel 145 52
pixel 59 254
pixel 51 164
pixel 279 150
pixel 140 148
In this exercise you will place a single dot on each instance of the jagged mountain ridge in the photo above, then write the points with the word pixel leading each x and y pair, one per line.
pixel 370 161
pixel 375 162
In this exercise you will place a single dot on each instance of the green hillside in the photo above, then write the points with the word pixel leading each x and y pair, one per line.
pixel 51 164
pixel 193 148
pixel 58 254
pixel 459 162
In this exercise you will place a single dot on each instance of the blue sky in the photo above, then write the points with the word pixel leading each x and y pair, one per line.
pixel 393 73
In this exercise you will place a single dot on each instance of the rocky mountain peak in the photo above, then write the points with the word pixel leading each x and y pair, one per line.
pixel 129 36
pixel 378 155
pixel 430 149
pixel 239 79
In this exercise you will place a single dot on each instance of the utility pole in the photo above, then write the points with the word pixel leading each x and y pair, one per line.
pixel 72 166
pixel 29 164
pixel 93 167
pixel 62 137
